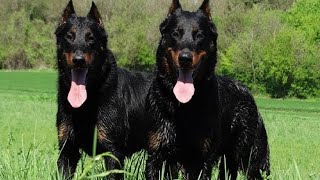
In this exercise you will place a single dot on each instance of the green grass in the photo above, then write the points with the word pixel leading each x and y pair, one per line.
pixel 28 141
pixel 293 129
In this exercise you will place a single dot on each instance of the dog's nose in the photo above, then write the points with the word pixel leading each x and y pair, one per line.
pixel 78 60
pixel 185 58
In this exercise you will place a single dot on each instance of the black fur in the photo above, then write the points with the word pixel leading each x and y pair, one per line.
pixel 220 122
pixel 115 97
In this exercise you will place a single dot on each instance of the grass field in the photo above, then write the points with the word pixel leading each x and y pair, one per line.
pixel 28 141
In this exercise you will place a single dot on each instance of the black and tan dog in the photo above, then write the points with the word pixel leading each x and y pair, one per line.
pixel 198 117
pixel 93 92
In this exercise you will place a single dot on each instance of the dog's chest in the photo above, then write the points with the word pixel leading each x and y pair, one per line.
pixel 84 123
pixel 196 129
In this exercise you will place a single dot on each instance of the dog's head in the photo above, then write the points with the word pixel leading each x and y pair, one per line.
pixel 188 48
pixel 79 41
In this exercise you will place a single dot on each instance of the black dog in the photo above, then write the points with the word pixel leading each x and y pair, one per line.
pixel 93 92
pixel 198 117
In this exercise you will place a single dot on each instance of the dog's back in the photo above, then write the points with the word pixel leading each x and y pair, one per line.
pixel 134 87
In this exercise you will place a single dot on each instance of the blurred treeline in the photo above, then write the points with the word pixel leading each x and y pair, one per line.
pixel 273 46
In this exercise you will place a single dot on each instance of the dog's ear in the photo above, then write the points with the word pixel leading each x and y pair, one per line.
pixel 67 13
pixel 175 6
pixel 163 25
pixel 205 8
pixel 94 14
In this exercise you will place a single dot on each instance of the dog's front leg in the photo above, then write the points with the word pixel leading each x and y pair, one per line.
pixel 160 149
pixel 206 171
pixel 69 154
pixel 68 159
pixel 112 164
pixel 153 166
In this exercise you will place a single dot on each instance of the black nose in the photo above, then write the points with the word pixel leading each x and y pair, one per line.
pixel 78 60
pixel 185 58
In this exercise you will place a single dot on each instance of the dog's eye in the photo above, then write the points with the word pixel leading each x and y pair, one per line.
pixel 199 36
pixel 175 34
pixel 69 37
pixel 89 37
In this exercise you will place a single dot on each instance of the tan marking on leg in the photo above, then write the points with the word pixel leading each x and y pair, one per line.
pixel 63 131
pixel 205 145
pixel 154 141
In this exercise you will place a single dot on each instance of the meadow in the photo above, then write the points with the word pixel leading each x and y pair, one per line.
pixel 28 140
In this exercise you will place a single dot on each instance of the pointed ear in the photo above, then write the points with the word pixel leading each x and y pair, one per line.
pixel 94 14
pixel 205 8
pixel 175 5
pixel 67 12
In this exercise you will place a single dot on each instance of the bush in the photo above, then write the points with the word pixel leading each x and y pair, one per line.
pixel 291 66
pixel 278 66
pixel 133 30
pixel 274 52
pixel 26 43
pixel 242 59
pixel 305 17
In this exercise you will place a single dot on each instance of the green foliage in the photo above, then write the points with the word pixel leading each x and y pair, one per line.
pixel 13 38
pixel 39 44
pixel 279 63
pixel 305 17
pixel 132 38
pixel 27 43
pixel 242 58
pixel 274 51
pixel 290 59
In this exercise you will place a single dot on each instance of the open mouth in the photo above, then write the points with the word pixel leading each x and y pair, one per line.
pixel 78 93
pixel 184 88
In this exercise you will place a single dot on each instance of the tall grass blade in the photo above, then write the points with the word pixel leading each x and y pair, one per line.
pixel 297 170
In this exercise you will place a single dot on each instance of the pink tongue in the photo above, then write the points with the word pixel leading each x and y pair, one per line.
pixel 184 89
pixel 78 93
